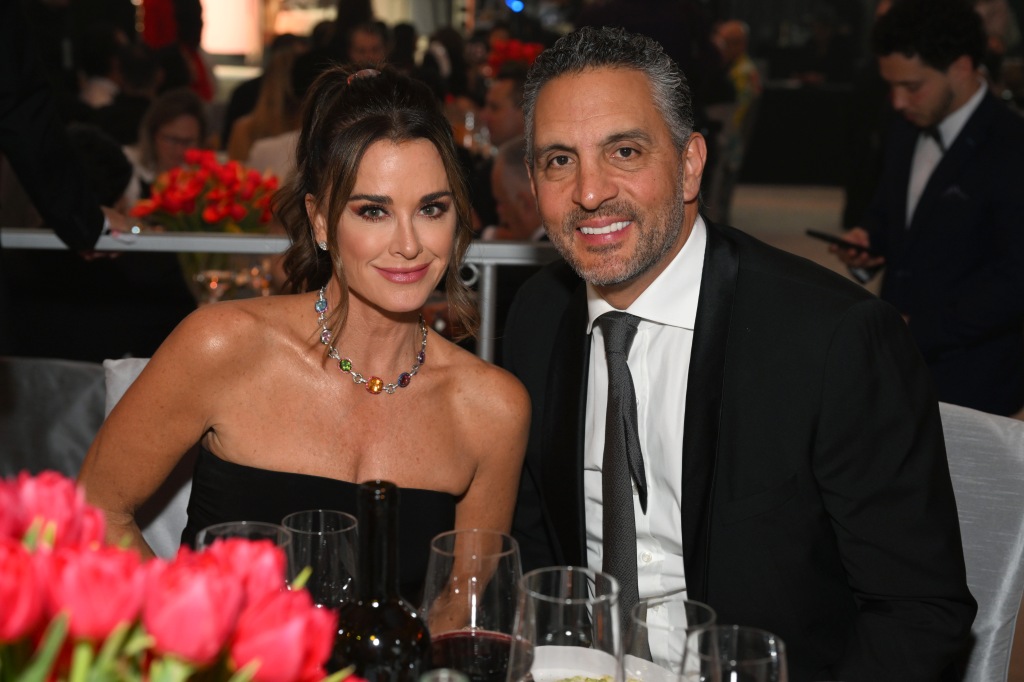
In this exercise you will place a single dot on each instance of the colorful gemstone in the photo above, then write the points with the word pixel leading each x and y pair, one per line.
pixel 321 305
pixel 404 378
pixel 325 336
pixel 421 357
pixel 375 385
pixel 345 365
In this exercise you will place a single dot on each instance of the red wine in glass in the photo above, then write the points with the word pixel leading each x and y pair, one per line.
pixel 481 654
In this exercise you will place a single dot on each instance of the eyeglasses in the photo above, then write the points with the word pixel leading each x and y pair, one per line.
pixel 179 141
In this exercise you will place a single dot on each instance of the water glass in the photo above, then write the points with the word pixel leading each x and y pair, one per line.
pixel 247 530
pixel 323 548
pixel 734 653
pixel 567 625
pixel 655 640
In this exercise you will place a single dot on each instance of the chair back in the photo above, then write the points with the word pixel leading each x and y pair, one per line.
pixel 164 515
pixel 986 464
pixel 50 411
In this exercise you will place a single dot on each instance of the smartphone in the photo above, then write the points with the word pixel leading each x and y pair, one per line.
pixel 839 241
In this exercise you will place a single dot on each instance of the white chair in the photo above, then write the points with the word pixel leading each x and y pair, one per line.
pixel 164 515
pixel 986 463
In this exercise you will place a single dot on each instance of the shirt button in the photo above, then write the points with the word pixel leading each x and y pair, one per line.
pixel 646 557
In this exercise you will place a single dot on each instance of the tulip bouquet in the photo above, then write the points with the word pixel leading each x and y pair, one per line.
pixel 204 195
pixel 73 609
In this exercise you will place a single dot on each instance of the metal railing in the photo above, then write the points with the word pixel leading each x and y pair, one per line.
pixel 482 260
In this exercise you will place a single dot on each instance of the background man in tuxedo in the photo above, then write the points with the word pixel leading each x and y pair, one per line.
pixel 768 440
pixel 947 219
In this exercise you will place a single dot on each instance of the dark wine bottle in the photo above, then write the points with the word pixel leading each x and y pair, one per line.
pixel 378 632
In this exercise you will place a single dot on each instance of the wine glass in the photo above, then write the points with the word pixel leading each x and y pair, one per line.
pixel 324 546
pixel 248 530
pixel 734 653
pixel 655 640
pixel 469 601
pixel 567 625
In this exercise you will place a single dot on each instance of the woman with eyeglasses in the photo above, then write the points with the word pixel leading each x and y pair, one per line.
pixel 174 123
pixel 294 399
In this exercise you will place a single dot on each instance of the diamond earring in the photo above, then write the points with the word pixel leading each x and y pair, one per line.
pixel 322 245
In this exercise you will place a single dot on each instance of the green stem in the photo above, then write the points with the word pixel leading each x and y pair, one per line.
pixel 81 662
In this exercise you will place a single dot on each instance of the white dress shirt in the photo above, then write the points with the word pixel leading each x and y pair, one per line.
pixel 659 361
pixel 928 154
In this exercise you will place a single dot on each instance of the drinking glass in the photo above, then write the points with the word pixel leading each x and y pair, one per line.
pixel 248 530
pixel 324 545
pixel 567 625
pixel 655 640
pixel 734 653
pixel 469 601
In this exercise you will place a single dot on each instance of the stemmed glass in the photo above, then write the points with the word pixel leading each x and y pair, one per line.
pixel 324 546
pixel 655 640
pixel 567 625
pixel 469 601
pixel 247 530
pixel 734 653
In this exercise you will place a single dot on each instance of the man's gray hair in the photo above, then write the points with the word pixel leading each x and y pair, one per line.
pixel 614 48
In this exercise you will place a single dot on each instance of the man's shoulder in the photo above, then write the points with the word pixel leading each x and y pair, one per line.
pixel 766 267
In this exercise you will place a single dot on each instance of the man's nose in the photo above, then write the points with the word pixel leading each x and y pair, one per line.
pixel 594 185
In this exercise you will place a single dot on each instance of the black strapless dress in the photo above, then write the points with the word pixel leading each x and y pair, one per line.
pixel 224 491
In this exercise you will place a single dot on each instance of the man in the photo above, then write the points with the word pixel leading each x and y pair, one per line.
pixel 792 472
pixel 947 219
pixel 513 197
pixel 368 44
pixel 503 104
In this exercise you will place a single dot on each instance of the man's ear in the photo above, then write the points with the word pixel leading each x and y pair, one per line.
pixel 694 156
pixel 316 219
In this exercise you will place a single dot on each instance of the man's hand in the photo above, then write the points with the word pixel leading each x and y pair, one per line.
pixel 854 258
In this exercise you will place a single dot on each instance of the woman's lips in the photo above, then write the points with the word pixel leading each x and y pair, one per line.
pixel 404 275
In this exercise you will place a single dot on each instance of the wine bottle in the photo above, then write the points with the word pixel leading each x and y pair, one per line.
pixel 378 632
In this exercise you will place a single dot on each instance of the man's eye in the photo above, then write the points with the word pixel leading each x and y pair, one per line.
pixel 559 160
pixel 626 152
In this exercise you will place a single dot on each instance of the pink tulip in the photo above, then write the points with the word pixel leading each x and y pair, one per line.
pixel 258 565
pixel 53 500
pixel 100 588
pixel 21 593
pixel 287 634
pixel 192 604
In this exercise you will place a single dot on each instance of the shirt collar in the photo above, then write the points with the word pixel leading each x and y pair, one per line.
pixel 671 299
pixel 951 126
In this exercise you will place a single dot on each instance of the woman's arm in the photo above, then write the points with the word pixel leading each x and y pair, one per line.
pixel 165 411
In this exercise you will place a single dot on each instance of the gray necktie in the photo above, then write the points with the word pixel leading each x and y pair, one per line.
pixel 623 462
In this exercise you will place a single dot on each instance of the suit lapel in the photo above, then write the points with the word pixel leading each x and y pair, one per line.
pixel 943 178
pixel 564 424
pixel 704 403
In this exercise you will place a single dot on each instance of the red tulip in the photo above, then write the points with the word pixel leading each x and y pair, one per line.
pixel 287 634
pixel 258 565
pixel 21 591
pixel 192 604
pixel 53 502
pixel 99 588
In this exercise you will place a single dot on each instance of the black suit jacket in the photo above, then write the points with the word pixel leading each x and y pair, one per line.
pixel 816 498
pixel 957 271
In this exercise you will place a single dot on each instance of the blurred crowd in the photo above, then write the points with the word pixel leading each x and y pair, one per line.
pixel 137 89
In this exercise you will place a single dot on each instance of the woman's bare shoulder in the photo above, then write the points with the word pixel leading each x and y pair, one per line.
pixel 486 391
pixel 229 332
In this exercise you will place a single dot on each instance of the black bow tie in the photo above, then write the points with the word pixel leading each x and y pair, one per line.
pixel 934 133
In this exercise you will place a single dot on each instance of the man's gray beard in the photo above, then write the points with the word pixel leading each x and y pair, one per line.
pixel 649 250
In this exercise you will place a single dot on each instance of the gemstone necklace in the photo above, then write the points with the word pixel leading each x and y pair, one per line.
pixel 374 385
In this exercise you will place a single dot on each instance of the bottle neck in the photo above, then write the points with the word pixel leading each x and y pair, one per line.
pixel 378 541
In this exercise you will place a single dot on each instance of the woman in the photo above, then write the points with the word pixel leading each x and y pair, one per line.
pixel 377 214
pixel 174 123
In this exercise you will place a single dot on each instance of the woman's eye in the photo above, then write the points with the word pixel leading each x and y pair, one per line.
pixel 434 210
pixel 372 212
